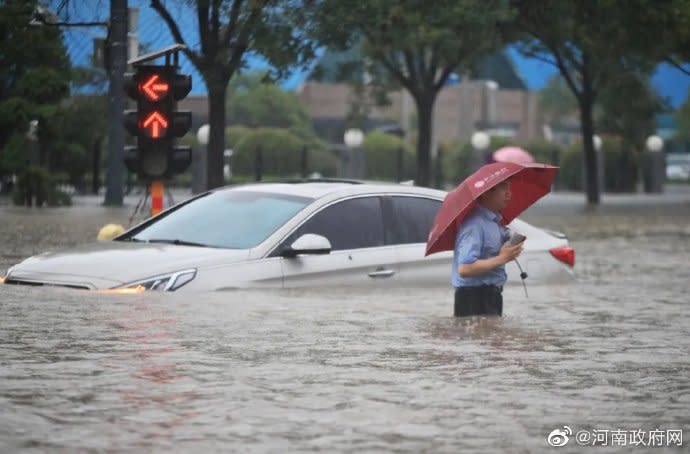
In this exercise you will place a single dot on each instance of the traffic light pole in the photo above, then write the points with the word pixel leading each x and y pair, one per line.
pixel 156 191
pixel 116 135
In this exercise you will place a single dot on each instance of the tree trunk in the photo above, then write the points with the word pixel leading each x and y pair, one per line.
pixel 425 106
pixel 96 166
pixel 591 164
pixel 216 142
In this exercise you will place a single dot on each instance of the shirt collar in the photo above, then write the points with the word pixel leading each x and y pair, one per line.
pixel 488 214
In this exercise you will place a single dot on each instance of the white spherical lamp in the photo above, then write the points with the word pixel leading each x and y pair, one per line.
pixel 202 134
pixel 597 142
pixel 353 138
pixel 654 143
pixel 480 140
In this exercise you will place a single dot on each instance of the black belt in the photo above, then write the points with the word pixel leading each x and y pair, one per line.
pixel 497 288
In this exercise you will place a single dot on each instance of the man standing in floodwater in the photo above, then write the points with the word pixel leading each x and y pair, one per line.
pixel 481 251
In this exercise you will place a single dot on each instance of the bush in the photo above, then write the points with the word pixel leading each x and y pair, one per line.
pixel 456 161
pixel 620 165
pixel 235 134
pixel 571 174
pixel 281 153
pixel 382 157
pixel 35 186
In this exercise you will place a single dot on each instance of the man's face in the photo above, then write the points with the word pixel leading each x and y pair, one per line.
pixel 498 197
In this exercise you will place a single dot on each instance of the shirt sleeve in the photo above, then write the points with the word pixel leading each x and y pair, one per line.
pixel 468 244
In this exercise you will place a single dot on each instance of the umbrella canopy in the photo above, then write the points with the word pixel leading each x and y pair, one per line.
pixel 512 154
pixel 529 182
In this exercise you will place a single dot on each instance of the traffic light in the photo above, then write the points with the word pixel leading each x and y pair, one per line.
pixel 156 122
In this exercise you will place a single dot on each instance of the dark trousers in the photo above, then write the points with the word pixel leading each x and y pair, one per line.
pixel 481 300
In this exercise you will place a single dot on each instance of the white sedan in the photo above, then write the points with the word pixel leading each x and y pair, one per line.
pixel 282 235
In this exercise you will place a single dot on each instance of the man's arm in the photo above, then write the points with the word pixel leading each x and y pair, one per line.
pixel 483 266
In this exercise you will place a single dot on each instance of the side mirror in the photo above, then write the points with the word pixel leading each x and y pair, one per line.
pixel 308 244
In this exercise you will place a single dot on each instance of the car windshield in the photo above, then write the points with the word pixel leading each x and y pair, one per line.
pixel 229 219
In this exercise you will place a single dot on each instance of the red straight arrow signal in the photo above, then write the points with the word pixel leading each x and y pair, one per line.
pixel 155 122
pixel 154 89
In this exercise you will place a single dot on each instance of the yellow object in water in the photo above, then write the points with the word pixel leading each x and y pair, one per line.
pixel 110 231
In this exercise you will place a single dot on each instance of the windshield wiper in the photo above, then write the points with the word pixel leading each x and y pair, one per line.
pixel 177 242
pixel 132 239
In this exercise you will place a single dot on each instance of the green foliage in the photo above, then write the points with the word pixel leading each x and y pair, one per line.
pixel 571 172
pixel 457 161
pixel 628 109
pixel 79 127
pixel 620 165
pixel 382 157
pixel 36 187
pixel 255 104
pixel 557 101
pixel 15 155
pixel 281 153
pixel 227 32
pixel 683 120
pixel 418 44
pixel 235 134
pixel 34 69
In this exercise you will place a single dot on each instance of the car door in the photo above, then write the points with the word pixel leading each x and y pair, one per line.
pixel 408 220
pixel 359 256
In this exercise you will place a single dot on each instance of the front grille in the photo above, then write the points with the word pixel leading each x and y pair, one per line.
pixel 10 281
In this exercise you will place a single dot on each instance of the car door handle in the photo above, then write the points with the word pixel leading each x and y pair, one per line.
pixel 381 272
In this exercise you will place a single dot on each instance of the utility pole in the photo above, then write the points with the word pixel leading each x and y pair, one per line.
pixel 117 45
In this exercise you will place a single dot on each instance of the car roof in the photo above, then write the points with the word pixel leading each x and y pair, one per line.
pixel 321 188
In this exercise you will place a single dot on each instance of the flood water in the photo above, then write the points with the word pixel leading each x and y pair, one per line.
pixel 348 370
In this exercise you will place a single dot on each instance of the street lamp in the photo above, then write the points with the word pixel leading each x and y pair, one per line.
pixel 597 142
pixel 354 159
pixel 202 134
pixel 599 156
pixel 654 143
pixel 654 162
pixel 480 142
pixel 199 160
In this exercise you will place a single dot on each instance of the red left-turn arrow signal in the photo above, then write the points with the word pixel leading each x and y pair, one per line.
pixel 154 88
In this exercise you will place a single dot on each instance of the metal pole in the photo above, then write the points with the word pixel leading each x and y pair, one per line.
pixel 399 164
pixel 258 164
pixel 305 162
pixel 116 135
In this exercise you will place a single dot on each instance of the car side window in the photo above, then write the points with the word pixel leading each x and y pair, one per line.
pixel 350 224
pixel 411 219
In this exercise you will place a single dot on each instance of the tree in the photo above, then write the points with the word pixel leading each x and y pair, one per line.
pixel 556 101
pixel 683 119
pixel 254 103
pixel 628 109
pixel 228 30
pixel 419 43
pixel 34 73
pixel 594 45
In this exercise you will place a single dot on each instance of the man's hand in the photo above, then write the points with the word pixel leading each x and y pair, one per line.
pixel 508 252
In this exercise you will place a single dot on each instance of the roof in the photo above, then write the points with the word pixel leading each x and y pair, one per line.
pixel 318 189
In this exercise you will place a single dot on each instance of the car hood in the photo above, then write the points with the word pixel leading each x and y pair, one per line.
pixel 113 263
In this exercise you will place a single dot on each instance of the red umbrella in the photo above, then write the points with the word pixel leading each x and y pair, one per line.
pixel 528 183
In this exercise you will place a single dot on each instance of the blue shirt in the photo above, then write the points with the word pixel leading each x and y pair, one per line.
pixel 480 237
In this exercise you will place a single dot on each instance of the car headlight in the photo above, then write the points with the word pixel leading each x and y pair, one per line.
pixel 165 282
pixel 4 275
